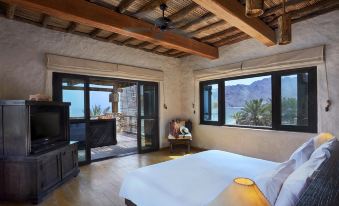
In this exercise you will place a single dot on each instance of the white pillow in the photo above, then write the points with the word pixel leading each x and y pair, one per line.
pixel 296 182
pixel 303 153
pixel 270 182
pixel 323 149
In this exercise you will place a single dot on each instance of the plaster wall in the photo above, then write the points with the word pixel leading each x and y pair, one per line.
pixel 23 63
pixel 265 144
pixel 23 72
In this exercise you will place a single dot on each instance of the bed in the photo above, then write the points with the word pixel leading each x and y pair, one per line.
pixel 196 180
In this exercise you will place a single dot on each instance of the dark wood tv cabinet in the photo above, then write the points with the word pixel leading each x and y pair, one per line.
pixel 33 177
pixel 27 175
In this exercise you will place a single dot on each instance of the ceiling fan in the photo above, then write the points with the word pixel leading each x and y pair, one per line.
pixel 162 23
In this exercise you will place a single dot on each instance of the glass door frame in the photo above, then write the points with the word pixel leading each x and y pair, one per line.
pixel 57 96
pixel 156 139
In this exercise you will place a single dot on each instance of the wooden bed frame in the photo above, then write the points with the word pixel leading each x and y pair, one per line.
pixel 129 203
pixel 323 188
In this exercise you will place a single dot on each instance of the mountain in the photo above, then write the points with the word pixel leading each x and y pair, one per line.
pixel 237 95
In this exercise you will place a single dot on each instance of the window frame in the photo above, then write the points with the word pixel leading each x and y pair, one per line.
pixel 312 126
pixel 220 104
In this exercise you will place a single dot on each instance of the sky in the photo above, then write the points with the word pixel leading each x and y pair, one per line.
pixel 76 97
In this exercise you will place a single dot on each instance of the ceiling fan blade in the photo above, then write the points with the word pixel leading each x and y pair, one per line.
pixel 138 29
pixel 180 32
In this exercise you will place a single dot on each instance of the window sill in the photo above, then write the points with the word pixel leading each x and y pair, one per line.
pixel 264 129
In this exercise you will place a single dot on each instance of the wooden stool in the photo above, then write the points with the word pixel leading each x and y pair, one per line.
pixel 181 140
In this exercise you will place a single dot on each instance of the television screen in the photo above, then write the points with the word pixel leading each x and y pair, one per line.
pixel 45 126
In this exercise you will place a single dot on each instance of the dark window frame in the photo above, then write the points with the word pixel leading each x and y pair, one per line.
pixel 312 126
pixel 220 104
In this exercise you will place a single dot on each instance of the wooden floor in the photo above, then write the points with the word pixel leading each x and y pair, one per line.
pixel 98 184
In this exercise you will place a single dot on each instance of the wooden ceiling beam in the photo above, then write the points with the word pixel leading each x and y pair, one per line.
pixel 128 40
pixel 310 11
pixel 104 4
pixel 314 14
pixel 206 17
pixel 72 27
pixel 10 11
pixel 143 44
pixel 183 55
pixel 44 20
pixel 89 14
pixel 94 32
pixel 180 54
pixel 313 8
pixel 234 13
pixel 124 5
pixel 279 8
pixel 149 6
pixel 183 12
pixel 112 37
pixel 208 27
pixel 232 39
pixel 224 33
pixel 155 48
pixel 170 51
pixel 236 40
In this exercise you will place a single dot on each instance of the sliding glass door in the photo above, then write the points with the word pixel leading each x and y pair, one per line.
pixel 109 117
pixel 73 89
pixel 148 120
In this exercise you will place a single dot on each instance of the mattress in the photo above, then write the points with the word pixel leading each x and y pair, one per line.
pixel 193 180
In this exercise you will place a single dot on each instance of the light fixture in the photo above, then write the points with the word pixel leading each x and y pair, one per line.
pixel 284 27
pixel 322 138
pixel 254 8
pixel 241 192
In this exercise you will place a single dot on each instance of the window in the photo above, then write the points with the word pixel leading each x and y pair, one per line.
pixel 294 99
pixel 101 98
pixel 210 98
pixel 283 100
pixel 248 101
pixel 73 91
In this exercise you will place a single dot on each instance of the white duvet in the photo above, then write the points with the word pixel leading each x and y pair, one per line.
pixel 193 180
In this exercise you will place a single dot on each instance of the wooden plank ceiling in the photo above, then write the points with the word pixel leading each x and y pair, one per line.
pixel 198 30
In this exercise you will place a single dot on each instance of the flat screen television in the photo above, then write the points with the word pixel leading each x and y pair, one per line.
pixel 48 126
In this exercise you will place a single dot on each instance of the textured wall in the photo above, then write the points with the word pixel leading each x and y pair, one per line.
pixel 22 62
pixel 22 72
pixel 272 145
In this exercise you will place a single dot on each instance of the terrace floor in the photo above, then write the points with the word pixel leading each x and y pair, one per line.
pixel 127 144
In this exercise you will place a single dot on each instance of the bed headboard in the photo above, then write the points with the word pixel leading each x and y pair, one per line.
pixel 323 190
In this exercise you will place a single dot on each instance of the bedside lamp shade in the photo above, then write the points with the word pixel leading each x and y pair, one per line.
pixel 322 138
pixel 241 192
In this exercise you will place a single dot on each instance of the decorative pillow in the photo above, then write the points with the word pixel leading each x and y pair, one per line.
pixel 271 182
pixel 303 153
pixel 322 138
pixel 297 181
